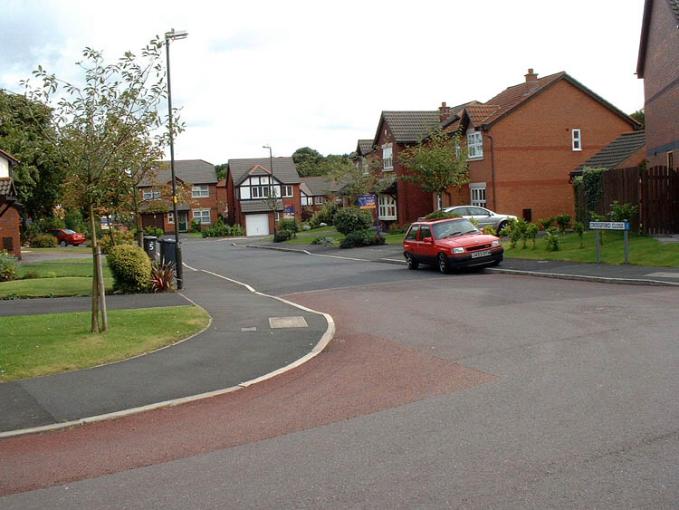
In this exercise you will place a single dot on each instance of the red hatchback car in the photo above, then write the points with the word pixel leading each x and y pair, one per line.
pixel 67 236
pixel 450 243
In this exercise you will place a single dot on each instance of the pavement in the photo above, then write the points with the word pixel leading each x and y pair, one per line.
pixel 240 345
pixel 626 273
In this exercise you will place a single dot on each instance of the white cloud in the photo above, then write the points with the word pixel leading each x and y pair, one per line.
pixel 302 73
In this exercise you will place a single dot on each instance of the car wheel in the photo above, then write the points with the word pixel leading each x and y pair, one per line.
pixel 63 244
pixel 502 225
pixel 412 262
pixel 442 263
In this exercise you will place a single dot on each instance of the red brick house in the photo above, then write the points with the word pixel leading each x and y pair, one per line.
pixel 523 143
pixel 10 220
pixel 658 65
pixel 197 192
pixel 626 151
pixel 317 190
pixel 249 183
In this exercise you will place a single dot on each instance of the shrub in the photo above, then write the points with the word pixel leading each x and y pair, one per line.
pixel 307 213
pixel 553 242
pixel 563 221
pixel 237 230
pixel 545 223
pixel 325 215
pixel 217 229
pixel 532 232
pixel 43 241
pixel 162 277
pixel 362 238
pixel 195 225
pixel 489 230
pixel 73 219
pixel 580 230
pixel 154 231
pixel 622 212
pixel 323 241
pixel 119 237
pixel 8 267
pixel 131 268
pixel 352 219
pixel 289 225
pixel 281 236
pixel 440 215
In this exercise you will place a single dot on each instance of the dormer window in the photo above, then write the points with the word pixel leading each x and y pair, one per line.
pixel 387 157
pixel 474 144
pixel 576 140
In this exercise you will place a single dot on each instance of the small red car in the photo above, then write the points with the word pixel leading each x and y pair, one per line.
pixel 67 236
pixel 450 243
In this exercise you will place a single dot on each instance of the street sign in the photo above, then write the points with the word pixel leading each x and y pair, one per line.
pixel 609 225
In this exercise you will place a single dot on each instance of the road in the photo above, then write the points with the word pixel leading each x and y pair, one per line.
pixel 471 390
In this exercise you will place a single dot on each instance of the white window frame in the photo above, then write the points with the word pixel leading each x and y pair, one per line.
pixel 386 207
pixel 576 139
pixel 319 199
pixel 474 144
pixel 287 190
pixel 477 194
pixel 200 191
pixel 170 218
pixel 387 157
pixel 150 195
pixel 198 214
pixel 305 199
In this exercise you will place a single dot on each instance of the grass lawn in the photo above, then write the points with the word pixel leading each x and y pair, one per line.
pixel 34 345
pixel 644 251
pixel 306 236
pixel 53 278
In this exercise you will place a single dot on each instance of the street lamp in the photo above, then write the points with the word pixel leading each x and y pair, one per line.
pixel 172 35
pixel 271 189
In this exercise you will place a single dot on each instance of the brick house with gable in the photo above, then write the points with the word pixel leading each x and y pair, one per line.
pixel 197 192
pixel 250 181
pixel 658 65
pixel 10 219
pixel 523 143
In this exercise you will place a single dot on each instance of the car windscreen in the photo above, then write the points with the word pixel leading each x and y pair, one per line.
pixel 68 231
pixel 453 228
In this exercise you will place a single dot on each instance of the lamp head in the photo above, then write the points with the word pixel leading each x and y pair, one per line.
pixel 175 35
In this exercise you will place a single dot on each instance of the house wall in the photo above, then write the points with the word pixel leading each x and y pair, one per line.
pixel 10 222
pixel 533 154
pixel 222 200
pixel 411 201
pixel 211 202
pixel 661 86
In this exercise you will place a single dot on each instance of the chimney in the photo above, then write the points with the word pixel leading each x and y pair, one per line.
pixel 531 76
pixel 444 111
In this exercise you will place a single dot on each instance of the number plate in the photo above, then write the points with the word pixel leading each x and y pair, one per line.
pixel 477 254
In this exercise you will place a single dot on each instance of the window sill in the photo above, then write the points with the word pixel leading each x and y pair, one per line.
pixel 475 158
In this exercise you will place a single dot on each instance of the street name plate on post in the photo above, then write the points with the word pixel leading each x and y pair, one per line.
pixel 609 225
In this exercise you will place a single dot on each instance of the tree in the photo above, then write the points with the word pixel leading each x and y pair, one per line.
pixel 108 132
pixel 436 163
pixel 221 170
pixel 355 180
pixel 639 116
pixel 26 132
pixel 307 161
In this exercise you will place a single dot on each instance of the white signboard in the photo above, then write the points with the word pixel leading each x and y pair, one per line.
pixel 609 225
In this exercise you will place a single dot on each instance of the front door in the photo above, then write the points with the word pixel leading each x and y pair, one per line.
pixel 183 221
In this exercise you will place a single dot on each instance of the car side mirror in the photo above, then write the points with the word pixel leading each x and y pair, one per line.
pixel 428 240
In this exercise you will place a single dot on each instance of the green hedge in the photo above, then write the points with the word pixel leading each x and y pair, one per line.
pixel 352 219
pixel 131 268
pixel 44 241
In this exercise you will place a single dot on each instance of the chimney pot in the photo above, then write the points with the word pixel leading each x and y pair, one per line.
pixel 531 76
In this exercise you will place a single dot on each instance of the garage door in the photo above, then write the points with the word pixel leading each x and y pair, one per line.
pixel 257 225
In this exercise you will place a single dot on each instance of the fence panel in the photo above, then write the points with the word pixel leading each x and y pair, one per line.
pixel 660 200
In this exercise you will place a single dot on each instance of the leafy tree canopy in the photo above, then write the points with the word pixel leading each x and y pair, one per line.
pixel 639 116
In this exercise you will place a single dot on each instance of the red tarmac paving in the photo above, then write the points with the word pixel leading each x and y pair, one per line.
pixel 358 374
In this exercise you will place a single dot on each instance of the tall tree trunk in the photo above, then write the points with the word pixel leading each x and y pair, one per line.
pixel 95 274
pixel 102 293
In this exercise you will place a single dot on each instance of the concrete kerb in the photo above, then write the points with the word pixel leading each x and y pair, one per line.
pixel 518 272
pixel 315 351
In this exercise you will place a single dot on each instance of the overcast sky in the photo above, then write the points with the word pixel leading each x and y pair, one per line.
pixel 295 73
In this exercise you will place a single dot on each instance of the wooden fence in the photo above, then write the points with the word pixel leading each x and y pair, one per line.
pixel 655 191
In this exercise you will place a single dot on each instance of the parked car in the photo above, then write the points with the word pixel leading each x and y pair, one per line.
pixel 484 216
pixel 67 236
pixel 448 244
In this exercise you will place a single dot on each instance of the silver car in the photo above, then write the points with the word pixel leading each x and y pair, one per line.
pixel 484 216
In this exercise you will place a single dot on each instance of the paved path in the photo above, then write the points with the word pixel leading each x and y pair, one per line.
pixel 239 346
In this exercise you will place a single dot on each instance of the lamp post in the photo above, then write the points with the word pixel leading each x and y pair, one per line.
pixel 174 36
pixel 271 188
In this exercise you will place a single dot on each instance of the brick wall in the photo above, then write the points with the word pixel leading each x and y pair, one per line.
pixel 661 86
pixel 10 222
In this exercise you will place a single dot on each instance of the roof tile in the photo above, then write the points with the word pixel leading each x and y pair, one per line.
pixel 284 169
pixel 616 152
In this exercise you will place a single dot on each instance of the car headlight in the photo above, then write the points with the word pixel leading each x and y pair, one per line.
pixel 495 243
pixel 458 250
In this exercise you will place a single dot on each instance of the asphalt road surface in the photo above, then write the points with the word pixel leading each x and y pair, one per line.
pixel 470 390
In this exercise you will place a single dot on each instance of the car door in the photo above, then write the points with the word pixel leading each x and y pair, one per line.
pixel 427 250
pixel 481 215
pixel 410 242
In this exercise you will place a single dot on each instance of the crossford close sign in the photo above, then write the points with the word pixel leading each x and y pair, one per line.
pixel 609 225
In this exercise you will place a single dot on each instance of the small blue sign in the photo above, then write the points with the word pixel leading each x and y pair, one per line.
pixel 367 201
pixel 289 209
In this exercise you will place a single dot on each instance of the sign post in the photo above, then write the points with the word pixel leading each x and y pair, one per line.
pixel 610 225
